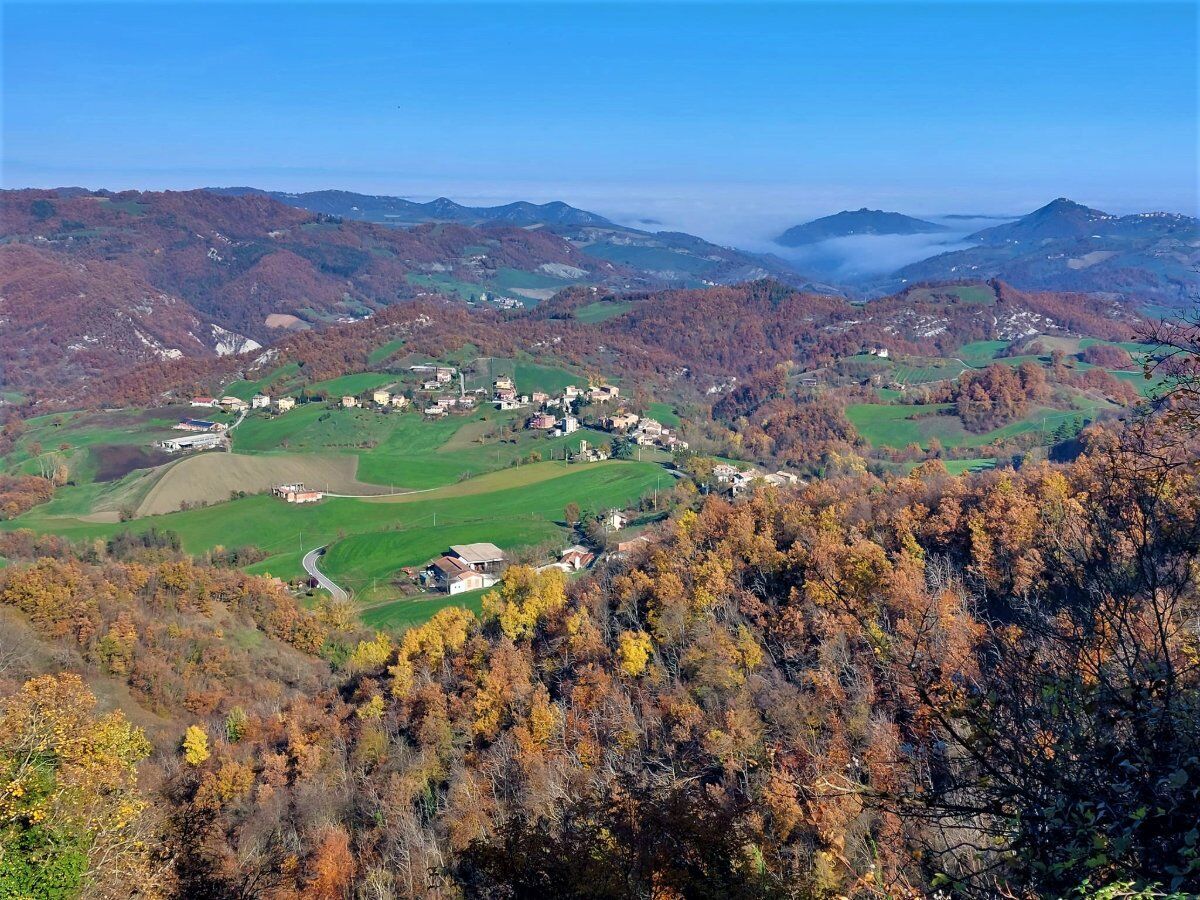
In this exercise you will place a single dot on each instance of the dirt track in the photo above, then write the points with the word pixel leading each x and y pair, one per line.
pixel 212 477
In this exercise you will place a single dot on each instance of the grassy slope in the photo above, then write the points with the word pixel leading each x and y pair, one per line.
pixel 531 494
pixel 602 310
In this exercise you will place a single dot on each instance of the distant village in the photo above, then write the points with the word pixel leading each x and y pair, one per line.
pixel 437 391
pixel 441 391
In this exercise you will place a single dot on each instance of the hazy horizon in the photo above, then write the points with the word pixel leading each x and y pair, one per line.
pixel 731 121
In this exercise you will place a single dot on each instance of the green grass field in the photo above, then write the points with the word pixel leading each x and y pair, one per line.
pixel 398 614
pixel 888 425
pixel 655 258
pixel 508 279
pixel 602 310
pixel 379 354
pixel 664 412
pixel 980 353
pixel 516 506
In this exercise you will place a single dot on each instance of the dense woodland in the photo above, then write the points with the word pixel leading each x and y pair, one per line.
pixel 984 686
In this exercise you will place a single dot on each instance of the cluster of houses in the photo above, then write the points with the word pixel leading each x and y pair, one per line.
pixel 645 432
pixel 735 481
pixel 238 405
pixel 554 412
pixel 381 399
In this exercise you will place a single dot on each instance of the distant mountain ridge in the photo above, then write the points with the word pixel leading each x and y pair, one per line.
pixel 1066 246
pixel 386 210
pixel 1064 219
pixel 855 222
pixel 665 257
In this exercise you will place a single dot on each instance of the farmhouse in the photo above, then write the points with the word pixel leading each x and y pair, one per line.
pixel 234 404
pixel 782 479
pixel 296 493
pixel 725 473
pixel 615 520
pixel 465 567
pixel 603 393
pixel 543 421
pixel 349 402
pixel 382 398
pixel 621 421
pixel 260 401
pixel 192 442
pixel 399 401
pixel 481 556
pixel 454 576
pixel 283 404
pixel 576 557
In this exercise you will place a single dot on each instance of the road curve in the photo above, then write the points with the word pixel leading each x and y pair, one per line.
pixel 310 566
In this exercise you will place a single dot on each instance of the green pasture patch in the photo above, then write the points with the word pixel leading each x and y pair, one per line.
pixel 379 354
pixel 602 310
pixel 506 505
pixel 664 412
pixel 654 258
pixel 272 383
pixel 981 353
pixel 508 279
pixel 886 425
pixel 405 612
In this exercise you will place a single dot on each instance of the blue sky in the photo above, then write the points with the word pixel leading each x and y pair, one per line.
pixel 722 115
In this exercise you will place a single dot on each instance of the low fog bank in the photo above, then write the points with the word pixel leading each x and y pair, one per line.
pixel 864 256
pixel 846 259
pixel 750 217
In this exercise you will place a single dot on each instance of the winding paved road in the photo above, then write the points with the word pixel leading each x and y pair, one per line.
pixel 310 566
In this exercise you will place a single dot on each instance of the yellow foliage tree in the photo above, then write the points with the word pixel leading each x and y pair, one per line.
pixel 195 745
pixel 633 651
pixel 524 598
pixel 371 654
